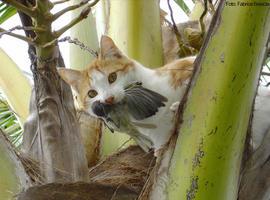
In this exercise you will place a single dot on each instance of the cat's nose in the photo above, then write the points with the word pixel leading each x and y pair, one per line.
pixel 109 100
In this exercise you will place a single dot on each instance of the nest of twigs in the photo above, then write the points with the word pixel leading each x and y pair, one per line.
pixel 129 168
pixel 120 176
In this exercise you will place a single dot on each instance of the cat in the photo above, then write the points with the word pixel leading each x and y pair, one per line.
pixel 105 80
pixel 107 76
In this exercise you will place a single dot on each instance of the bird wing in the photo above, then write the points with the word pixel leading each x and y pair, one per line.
pixel 142 102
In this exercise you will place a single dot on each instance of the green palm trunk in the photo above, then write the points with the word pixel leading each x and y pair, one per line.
pixel 86 32
pixel 207 157
pixel 135 27
pixel 12 173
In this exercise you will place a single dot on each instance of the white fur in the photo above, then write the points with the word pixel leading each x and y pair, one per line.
pixel 99 82
pixel 163 119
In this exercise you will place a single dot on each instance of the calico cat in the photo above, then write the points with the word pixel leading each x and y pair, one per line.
pixel 101 90
pixel 106 79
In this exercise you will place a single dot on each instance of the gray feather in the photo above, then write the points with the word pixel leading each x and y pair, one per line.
pixel 142 102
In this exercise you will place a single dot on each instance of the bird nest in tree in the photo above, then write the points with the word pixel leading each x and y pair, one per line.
pixel 120 176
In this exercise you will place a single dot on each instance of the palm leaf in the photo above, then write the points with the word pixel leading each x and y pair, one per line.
pixel 6 12
pixel 9 123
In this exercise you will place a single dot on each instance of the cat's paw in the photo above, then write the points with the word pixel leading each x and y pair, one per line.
pixel 174 106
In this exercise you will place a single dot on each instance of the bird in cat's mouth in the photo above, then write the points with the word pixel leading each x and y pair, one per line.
pixel 138 101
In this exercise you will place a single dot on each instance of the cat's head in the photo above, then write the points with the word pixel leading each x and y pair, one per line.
pixel 104 80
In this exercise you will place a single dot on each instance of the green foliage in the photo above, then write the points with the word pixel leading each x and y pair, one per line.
pixel 183 6
pixel 9 123
pixel 6 12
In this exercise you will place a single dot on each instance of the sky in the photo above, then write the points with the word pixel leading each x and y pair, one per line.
pixel 17 49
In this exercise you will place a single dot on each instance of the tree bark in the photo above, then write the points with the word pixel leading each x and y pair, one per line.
pixel 51 132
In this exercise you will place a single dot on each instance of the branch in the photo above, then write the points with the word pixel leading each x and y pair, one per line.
pixel 73 7
pixel 75 21
pixel 80 44
pixel 175 29
pixel 202 25
pixel 20 7
pixel 265 73
pixel 28 21
pixel 26 28
pixel 184 50
pixel 9 32
pixel 211 7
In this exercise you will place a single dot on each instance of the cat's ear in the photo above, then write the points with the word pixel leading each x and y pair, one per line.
pixel 108 49
pixel 72 77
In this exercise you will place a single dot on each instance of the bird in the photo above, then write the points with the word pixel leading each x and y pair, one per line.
pixel 138 103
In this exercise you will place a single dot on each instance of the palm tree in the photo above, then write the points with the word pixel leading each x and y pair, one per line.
pixel 209 135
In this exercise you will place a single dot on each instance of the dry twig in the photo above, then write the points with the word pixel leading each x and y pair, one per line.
pixel 21 37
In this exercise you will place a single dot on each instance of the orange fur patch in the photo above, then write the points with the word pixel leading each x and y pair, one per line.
pixel 106 67
pixel 179 71
pixel 122 65
pixel 82 91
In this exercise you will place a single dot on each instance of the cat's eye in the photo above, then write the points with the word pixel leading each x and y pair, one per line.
pixel 92 93
pixel 112 77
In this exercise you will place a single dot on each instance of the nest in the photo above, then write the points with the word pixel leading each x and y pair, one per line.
pixel 119 176
pixel 129 168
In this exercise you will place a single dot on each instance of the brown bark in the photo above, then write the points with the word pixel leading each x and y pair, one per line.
pixel 255 180
pixel 52 134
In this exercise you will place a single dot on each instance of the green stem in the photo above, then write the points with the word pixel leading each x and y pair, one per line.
pixel 73 7
pixel 21 37
pixel 207 157
pixel 82 15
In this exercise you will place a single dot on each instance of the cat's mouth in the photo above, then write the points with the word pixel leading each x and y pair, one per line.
pixel 103 109
pixel 138 102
